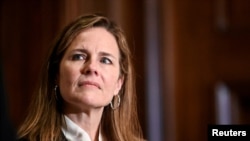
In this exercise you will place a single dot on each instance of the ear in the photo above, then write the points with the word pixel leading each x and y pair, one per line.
pixel 119 84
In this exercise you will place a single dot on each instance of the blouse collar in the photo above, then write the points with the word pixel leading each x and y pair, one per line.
pixel 73 132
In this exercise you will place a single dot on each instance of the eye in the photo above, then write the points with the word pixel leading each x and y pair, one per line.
pixel 76 57
pixel 105 60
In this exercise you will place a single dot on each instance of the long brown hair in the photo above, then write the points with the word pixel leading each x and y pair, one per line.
pixel 45 117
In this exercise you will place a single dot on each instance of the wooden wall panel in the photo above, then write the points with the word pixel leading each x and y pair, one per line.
pixel 201 51
pixel 26 32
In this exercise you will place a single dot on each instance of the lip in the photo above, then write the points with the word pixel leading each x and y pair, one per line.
pixel 84 83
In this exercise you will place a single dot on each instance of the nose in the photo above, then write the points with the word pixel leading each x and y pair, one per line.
pixel 90 67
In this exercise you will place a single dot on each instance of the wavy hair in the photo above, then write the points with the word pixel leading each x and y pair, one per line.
pixel 45 118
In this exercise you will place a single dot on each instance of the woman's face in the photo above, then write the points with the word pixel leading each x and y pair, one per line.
pixel 89 74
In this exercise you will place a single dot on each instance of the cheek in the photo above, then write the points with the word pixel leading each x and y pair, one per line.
pixel 67 75
pixel 112 82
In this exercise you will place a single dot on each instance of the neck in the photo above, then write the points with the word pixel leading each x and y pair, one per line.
pixel 88 121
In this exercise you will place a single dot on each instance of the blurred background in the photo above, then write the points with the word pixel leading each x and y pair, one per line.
pixel 191 58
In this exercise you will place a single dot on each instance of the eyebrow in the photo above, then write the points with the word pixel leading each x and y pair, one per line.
pixel 102 53
pixel 107 54
pixel 80 50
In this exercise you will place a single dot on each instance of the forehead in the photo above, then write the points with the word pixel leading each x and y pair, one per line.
pixel 95 38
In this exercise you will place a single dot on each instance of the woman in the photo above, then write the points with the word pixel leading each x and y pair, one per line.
pixel 87 89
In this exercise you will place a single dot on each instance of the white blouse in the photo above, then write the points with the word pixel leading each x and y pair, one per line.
pixel 73 132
